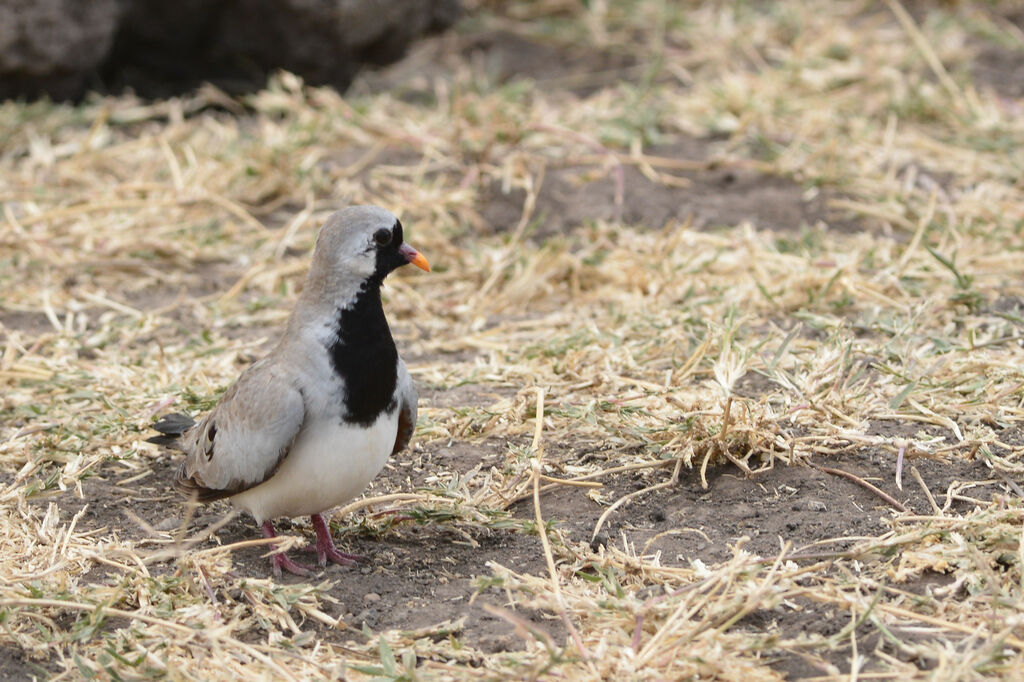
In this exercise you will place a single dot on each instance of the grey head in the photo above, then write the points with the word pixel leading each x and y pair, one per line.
pixel 359 245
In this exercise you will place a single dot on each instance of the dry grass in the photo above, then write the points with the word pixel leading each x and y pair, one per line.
pixel 147 250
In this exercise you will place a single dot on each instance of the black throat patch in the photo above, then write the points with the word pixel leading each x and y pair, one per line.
pixel 365 357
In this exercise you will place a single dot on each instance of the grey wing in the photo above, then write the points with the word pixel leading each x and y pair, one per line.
pixel 405 395
pixel 245 437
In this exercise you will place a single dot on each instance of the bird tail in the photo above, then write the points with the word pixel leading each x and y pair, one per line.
pixel 171 427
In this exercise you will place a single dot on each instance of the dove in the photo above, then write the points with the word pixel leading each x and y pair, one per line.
pixel 307 427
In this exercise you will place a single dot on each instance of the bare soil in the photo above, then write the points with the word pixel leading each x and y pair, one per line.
pixel 1001 67
pixel 416 575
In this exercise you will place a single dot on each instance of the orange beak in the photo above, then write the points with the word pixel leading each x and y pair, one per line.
pixel 414 257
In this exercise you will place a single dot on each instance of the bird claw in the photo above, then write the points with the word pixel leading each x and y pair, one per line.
pixel 323 554
pixel 324 547
pixel 281 561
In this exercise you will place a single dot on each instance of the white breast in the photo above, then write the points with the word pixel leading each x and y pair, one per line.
pixel 329 464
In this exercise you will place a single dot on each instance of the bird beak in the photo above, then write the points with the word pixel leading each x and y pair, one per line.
pixel 414 257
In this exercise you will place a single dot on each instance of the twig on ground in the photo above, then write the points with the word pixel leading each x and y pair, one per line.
pixel 891 501
pixel 542 531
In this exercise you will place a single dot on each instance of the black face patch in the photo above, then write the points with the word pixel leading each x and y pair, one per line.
pixel 365 357
pixel 388 257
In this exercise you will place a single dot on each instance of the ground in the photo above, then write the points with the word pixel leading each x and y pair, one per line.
pixel 719 364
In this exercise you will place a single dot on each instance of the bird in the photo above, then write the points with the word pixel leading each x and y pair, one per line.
pixel 308 426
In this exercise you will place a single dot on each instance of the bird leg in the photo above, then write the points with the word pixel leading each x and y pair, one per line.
pixel 325 548
pixel 280 560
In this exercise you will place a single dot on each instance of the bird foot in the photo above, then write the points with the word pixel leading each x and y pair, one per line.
pixel 280 560
pixel 323 554
pixel 324 547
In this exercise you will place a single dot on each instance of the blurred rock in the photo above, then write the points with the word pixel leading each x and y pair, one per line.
pixel 53 46
pixel 64 47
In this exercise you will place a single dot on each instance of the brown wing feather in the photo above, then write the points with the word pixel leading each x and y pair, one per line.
pixel 189 481
pixel 406 426
pixel 192 486
pixel 407 400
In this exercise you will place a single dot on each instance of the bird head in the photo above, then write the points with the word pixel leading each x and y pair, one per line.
pixel 362 244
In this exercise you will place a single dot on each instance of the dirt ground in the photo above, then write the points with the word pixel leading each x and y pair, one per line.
pixel 419 573
pixel 465 587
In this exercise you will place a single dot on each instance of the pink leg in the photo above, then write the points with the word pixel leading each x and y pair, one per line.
pixel 325 548
pixel 281 560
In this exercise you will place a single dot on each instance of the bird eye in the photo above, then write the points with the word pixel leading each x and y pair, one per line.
pixel 382 237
